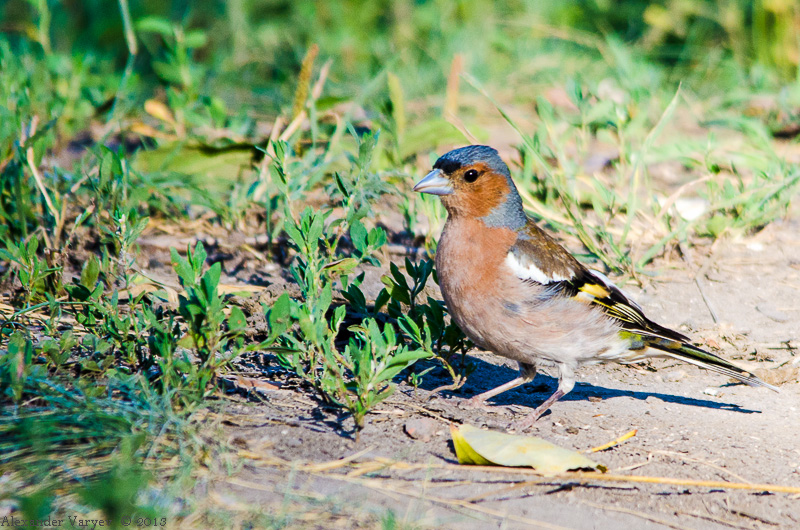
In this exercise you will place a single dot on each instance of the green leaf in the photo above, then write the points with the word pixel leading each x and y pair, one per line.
pixel 196 38
pixel 400 362
pixel 407 358
pixel 316 229
pixel 377 238
pixel 237 321
pixel 281 309
pixel 399 277
pixel 155 24
pixel 376 336
pixel 410 327
pixel 381 300
pixel 33 246
pixel 8 256
pixel 295 235
pixel 90 272
pixel 182 268
pixel 401 295
pixel 78 292
pixel 358 235
pixel 344 265
pixel 341 185
pixel 167 72
pixel 356 297
pixel 198 257
pixel 98 291
pixel 325 299
pixel 717 224
pixel 210 281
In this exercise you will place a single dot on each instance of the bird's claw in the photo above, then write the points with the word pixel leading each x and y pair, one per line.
pixel 522 425
pixel 527 422
pixel 474 403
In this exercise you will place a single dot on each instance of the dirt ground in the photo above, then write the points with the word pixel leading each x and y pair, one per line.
pixel 691 424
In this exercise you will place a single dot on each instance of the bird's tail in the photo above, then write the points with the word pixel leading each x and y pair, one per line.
pixel 693 355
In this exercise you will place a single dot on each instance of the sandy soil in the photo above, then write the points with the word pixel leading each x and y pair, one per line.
pixel 692 424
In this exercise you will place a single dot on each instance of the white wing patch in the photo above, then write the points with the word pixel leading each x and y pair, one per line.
pixel 532 272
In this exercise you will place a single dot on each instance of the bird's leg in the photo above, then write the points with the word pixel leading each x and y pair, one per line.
pixel 527 422
pixel 526 374
pixel 480 399
pixel 566 382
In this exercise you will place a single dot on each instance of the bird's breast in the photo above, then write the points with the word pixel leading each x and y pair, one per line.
pixel 473 276
pixel 471 258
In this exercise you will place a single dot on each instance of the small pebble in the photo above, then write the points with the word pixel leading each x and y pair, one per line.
pixel 421 428
pixel 494 425
pixel 711 391
pixel 691 208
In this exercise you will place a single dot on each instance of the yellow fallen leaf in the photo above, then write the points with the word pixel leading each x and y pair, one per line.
pixel 225 288
pixel 480 447
pixel 465 453
pixel 139 288
pixel 147 130
pixel 158 110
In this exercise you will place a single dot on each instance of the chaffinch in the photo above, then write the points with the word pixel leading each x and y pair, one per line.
pixel 515 291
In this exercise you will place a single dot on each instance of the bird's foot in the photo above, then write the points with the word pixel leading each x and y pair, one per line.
pixel 475 402
pixel 527 422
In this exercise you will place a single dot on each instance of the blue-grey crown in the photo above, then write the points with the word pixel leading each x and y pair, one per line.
pixel 465 156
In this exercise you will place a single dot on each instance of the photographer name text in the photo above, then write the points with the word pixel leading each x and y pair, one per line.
pixel 75 521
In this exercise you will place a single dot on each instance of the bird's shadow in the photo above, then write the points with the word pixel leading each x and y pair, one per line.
pixel 487 376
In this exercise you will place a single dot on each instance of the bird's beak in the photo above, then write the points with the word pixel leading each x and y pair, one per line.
pixel 434 183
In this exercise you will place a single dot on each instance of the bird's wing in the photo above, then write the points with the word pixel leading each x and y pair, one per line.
pixel 595 288
pixel 537 257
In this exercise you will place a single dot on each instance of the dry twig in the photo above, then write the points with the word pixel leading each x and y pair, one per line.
pixel 628 435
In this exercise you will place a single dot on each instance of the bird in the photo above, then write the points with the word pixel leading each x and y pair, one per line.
pixel 515 291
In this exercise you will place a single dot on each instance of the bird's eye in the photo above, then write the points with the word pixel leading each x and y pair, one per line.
pixel 471 175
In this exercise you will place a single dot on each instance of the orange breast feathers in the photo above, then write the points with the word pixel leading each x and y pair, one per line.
pixel 470 257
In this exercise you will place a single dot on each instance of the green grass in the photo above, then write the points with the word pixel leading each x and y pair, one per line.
pixel 304 128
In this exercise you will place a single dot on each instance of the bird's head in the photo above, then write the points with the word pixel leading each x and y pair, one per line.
pixel 474 181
